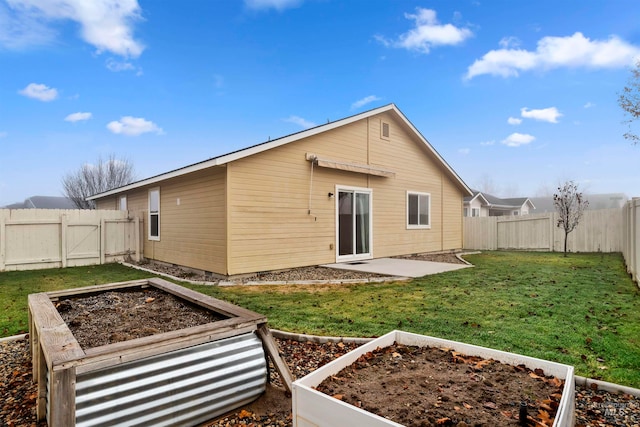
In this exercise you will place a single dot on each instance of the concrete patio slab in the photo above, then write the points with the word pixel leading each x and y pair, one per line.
pixel 398 267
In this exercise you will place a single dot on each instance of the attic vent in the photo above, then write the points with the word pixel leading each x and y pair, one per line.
pixel 384 131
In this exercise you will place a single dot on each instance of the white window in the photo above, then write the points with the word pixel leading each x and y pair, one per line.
pixel 466 212
pixel 418 210
pixel 122 203
pixel 154 214
pixel 475 212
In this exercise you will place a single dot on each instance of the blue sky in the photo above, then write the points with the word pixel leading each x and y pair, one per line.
pixel 517 96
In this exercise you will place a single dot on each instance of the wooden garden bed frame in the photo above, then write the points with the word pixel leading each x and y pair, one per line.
pixel 57 354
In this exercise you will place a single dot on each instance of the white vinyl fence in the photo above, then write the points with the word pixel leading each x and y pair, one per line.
pixel 47 238
pixel 631 237
pixel 598 231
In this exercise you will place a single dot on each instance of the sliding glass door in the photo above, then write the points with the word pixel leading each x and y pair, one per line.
pixel 354 223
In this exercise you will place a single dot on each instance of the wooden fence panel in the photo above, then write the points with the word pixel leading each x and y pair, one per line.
pixel 631 237
pixel 599 230
pixel 48 238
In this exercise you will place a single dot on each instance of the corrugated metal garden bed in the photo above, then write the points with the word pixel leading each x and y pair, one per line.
pixel 151 375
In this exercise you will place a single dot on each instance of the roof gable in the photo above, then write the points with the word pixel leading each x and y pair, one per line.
pixel 255 149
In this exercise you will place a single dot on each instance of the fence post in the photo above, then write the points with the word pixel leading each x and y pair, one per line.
pixel 2 241
pixel 64 223
pixel 103 234
pixel 136 236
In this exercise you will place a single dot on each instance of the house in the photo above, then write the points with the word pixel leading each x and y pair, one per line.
pixel 484 204
pixel 44 202
pixel 369 185
pixel 596 201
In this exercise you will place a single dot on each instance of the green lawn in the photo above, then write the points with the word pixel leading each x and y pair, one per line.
pixel 581 310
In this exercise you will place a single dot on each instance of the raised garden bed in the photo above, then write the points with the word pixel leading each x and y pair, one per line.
pixel 200 358
pixel 418 380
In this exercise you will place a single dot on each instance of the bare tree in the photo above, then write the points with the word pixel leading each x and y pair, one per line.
pixel 486 185
pixel 570 205
pixel 629 101
pixel 96 178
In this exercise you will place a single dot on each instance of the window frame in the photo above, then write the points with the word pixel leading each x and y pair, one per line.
pixel 418 226
pixel 150 236
pixel 475 212
pixel 122 199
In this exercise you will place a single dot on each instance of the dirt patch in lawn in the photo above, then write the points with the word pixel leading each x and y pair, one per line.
pixel 423 386
pixel 122 315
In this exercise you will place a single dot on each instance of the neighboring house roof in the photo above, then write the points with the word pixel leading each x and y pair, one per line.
pixel 497 202
pixel 596 201
pixel 236 155
pixel 44 202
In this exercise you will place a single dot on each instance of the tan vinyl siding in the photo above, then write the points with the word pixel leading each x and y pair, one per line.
pixel 452 217
pixel 108 203
pixel 270 224
pixel 415 171
pixel 192 233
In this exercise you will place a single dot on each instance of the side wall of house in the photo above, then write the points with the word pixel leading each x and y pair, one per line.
pixel 192 219
pixel 283 215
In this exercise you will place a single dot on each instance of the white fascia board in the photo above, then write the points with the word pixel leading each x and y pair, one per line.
pixel 433 151
pixel 236 155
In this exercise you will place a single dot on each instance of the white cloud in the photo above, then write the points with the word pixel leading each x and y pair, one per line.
pixel 486 143
pixel 77 117
pixel 464 151
pixel 19 31
pixel 306 124
pixel 555 52
pixel 589 105
pixel 133 126
pixel 117 66
pixel 105 24
pixel 517 139
pixel 550 114
pixel 514 121
pixel 427 33
pixel 279 5
pixel 364 101
pixel 509 42
pixel 39 91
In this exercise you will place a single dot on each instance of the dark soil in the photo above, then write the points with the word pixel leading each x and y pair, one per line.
pixel 423 386
pixel 122 315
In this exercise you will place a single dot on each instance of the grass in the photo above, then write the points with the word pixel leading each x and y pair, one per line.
pixel 16 285
pixel 582 310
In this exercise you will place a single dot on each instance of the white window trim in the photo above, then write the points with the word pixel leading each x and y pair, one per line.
pixel 126 205
pixel 354 257
pixel 150 237
pixel 475 210
pixel 419 226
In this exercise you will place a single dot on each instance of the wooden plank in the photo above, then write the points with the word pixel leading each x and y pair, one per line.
pixel 62 403
pixel 55 295
pixel 272 350
pixel 206 301
pixel 41 380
